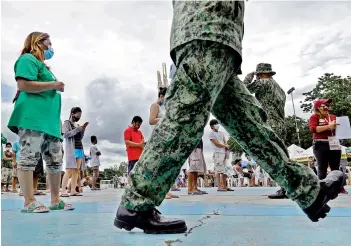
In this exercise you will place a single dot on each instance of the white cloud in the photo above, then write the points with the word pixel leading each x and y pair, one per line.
pixel 107 54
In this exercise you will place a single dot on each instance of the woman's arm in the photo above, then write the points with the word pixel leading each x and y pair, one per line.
pixel 7 158
pixel 67 132
pixel 34 86
pixel 153 114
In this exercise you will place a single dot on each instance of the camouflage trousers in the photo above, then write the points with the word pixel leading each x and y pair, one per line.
pixel 204 82
pixel 278 127
pixel 33 145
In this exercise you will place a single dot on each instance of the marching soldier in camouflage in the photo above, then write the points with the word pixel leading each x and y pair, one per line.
pixel 206 41
pixel 272 98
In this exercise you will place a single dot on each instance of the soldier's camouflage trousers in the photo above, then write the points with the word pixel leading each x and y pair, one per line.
pixel 34 143
pixel 204 83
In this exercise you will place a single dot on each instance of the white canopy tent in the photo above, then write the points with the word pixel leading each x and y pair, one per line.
pixel 309 153
pixel 295 151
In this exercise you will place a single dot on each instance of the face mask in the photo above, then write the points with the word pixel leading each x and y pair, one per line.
pixel 216 127
pixel 49 53
pixel 7 149
pixel 163 102
pixel 75 119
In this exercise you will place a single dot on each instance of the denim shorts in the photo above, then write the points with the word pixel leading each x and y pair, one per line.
pixel 79 153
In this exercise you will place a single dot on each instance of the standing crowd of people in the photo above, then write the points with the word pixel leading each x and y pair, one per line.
pixel 206 48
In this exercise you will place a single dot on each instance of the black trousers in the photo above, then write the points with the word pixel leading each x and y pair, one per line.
pixel 326 157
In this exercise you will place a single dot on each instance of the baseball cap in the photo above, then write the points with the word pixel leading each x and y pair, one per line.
pixel 319 102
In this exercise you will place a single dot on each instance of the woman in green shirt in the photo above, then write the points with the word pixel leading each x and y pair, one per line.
pixel 36 120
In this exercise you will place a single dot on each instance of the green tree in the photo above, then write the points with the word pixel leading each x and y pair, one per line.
pixel 333 87
pixel 291 135
pixel 122 168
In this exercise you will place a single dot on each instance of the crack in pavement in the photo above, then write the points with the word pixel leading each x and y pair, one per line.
pixel 216 212
pixel 170 242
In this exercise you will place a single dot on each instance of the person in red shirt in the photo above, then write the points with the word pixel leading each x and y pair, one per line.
pixel 323 125
pixel 134 141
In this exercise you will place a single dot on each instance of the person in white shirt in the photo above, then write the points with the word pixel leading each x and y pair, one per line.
pixel 95 161
pixel 220 146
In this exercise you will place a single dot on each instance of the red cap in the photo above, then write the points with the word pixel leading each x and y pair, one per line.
pixel 319 102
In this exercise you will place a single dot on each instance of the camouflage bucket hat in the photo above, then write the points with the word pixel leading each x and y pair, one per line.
pixel 264 68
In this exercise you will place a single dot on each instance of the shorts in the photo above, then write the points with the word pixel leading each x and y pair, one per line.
pixel 36 145
pixel 219 163
pixel 14 172
pixel 95 167
pixel 6 175
pixel 131 165
pixel 79 153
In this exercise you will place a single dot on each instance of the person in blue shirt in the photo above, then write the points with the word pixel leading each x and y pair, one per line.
pixel 16 150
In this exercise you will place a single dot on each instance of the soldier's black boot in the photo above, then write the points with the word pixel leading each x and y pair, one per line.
pixel 150 221
pixel 330 188
pixel 280 194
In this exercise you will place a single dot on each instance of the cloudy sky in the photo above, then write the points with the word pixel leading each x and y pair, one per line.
pixel 107 54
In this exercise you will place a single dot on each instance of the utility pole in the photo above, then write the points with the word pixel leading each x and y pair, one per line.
pixel 290 92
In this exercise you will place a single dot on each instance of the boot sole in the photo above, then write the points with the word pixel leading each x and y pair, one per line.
pixel 123 225
pixel 322 212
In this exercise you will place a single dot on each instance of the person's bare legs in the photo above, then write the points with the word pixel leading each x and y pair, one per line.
pixel 26 182
pixel 191 187
pixel 14 183
pixel 95 176
pixel 7 186
pixel 47 184
pixel 195 181
pixel 79 181
pixel 35 183
pixel 218 180
pixel 69 172
pixel 54 182
pixel 224 181
pixel 75 176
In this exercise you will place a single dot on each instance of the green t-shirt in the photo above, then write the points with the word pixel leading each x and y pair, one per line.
pixel 36 111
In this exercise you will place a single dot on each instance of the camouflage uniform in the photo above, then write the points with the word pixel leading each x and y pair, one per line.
pixel 272 98
pixel 206 46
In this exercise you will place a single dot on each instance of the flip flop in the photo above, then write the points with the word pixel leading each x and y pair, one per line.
pixel 77 194
pixel 195 193
pixel 64 195
pixel 34 208
pixel 62 206
pixel 221 190
pixel 230 189
pixel 39 193
pixel 203 192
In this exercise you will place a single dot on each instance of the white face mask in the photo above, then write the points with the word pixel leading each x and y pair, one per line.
pixel 216 126
pixel 7 149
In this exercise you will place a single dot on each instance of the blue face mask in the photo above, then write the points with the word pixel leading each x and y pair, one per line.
pixel 163 102
pixel 49 53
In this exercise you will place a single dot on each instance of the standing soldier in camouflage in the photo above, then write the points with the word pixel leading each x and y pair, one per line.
pixel 206 41
pixel 272 98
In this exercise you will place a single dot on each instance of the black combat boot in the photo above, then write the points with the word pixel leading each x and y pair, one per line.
pixel 330 188
pixel 280 194
pixel 150 221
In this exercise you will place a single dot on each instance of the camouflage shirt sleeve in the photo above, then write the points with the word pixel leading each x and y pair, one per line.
pixel 248 79
pixel 254 86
